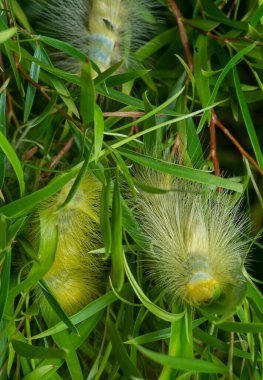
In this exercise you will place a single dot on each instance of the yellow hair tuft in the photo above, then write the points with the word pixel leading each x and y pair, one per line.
pixel 75 277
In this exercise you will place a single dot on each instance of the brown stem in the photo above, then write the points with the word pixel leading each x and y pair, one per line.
pixel 239 147
pixel 213 144
pixel 61 154
pixel 9 16
pixel 228 39
pixel 134 129
pixel 34 83
pixel 183 33
pixel 177 149
pixel 30 153
pixel 233 5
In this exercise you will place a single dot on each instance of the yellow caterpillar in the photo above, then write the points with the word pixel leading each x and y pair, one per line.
pixel 75 277
pixel 105 30
pixel 196 251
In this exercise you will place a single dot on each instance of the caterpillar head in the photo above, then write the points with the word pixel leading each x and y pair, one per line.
pixel 202 288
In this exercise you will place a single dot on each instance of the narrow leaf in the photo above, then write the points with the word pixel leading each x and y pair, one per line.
pixel 3 130
pixel 160 313
pixel 87 94
pixel 247 119
pixel 14 161
pixel 31 90
pixel 180 171
pixel 183 364
pixel 233 61
pixel 116 233
pixel 5 279
pixel 98 131
pixel 37 352
pixel 121 354
pixel 7 34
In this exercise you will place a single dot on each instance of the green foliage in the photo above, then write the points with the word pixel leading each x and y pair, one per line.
pixel 55 126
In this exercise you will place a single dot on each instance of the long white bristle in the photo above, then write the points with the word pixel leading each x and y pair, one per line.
pixel 194 238
pixel 106 30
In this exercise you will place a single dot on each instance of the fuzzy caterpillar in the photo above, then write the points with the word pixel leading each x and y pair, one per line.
pixel 106 30
pixel 194 234
pixel 75 277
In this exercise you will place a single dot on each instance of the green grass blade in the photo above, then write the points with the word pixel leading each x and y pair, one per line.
pixel 121 354
pixel 131 225
pixel 105 215
pixel 46 255
pixel 14 161
pixel 180 171
pixel 37 352
pixel 84 330
pixel 63 341
pixel 5 280
pixel 200 64
pixel 255 328
pixel 183 364
pixel 98 132
pixel 56 306
pixel 63 46
pixel 151 337
pixel 24 205
pixel 158 126
pixel 65 95
pixel 90 310
pixel 31 90
pixel 41 372
pixel 247 119
pixel 119 79
pixel 3 130
pixel 87 94
pixel 233 61
pixel 5 35
pixel 116 233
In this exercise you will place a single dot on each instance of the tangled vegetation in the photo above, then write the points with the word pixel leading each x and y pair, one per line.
pixel 80 150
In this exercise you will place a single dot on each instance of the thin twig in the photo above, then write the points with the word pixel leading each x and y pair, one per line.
pixel 183 33
pixel 10 110
pixel 28 77
pixel 213 144
pixel 228 39
pixel 239 147
pixel 233 5
pixel 30 153
pixel 134 129
pixel 9 16
pixel 61 154
pixel 177 149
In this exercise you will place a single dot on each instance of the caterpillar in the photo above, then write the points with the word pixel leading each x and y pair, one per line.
pixel 75 277
pixel 194 235
pixel 106 30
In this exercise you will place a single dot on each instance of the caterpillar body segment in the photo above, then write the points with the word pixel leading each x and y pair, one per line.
pixel 75 277
pixel 196 251
pixel 106 31
pixel 106 28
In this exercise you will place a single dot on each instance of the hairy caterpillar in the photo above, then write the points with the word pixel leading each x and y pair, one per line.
pixel 75 277
pixel 106 30
pixel 195 249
